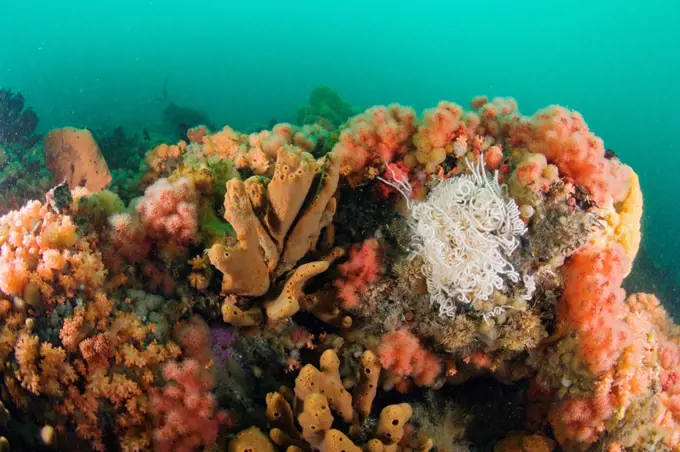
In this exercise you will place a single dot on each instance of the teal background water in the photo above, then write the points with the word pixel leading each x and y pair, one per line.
pixel 104 63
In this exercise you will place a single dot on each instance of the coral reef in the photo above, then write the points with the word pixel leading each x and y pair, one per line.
pixel 381 282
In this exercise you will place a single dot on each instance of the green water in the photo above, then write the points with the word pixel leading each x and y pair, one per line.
pixel 101 64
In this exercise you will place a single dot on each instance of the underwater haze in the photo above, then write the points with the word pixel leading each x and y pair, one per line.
pixel 100 64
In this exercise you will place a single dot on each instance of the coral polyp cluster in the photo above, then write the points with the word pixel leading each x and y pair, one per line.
pixel 377 282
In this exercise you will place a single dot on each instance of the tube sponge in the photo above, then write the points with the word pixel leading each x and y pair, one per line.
pixel 251 440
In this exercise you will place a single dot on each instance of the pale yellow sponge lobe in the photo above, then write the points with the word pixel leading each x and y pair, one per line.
pixel 627 223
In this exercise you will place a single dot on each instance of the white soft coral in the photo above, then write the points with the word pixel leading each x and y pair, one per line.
pixel 465 230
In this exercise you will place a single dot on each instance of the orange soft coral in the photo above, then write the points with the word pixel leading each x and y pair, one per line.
pixel 41 247
pixel 196 134
pixel 643 374
pixel 668 350
pixel 118 368
pixel 669 415
pixel 593 304
pixel 257 151
pixel 97 350
pixel 442 127
pixel 400 353
pixel 564 138
pixel 374 139
pixel 534 172
pixel 162 160
pixel 26 353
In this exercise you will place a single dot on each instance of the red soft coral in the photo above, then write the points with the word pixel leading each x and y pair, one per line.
pixel 582 419
pixel 185 411
pixel 360 270
pixel 400 353
pixel 193 336
pixel 395 174
pixel 440 126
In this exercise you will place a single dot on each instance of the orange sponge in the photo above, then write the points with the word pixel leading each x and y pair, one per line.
pixel 73 156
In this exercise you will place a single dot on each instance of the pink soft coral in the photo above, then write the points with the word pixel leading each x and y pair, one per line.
pixel 128 238
pixel 400 353
pixel 582 419
pixel 168 211
pixel 669 415
pixel 360 270
pixel 185 410
pixel 193 336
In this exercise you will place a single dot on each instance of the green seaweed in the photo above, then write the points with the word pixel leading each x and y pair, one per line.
pixel 212 227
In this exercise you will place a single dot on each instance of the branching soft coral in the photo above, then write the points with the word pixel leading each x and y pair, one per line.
pixel 401 354
pixel 106 360
pixel 185 410
pixel 118 373
pixel 360 270
pixel 193 336
pixel 41 250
